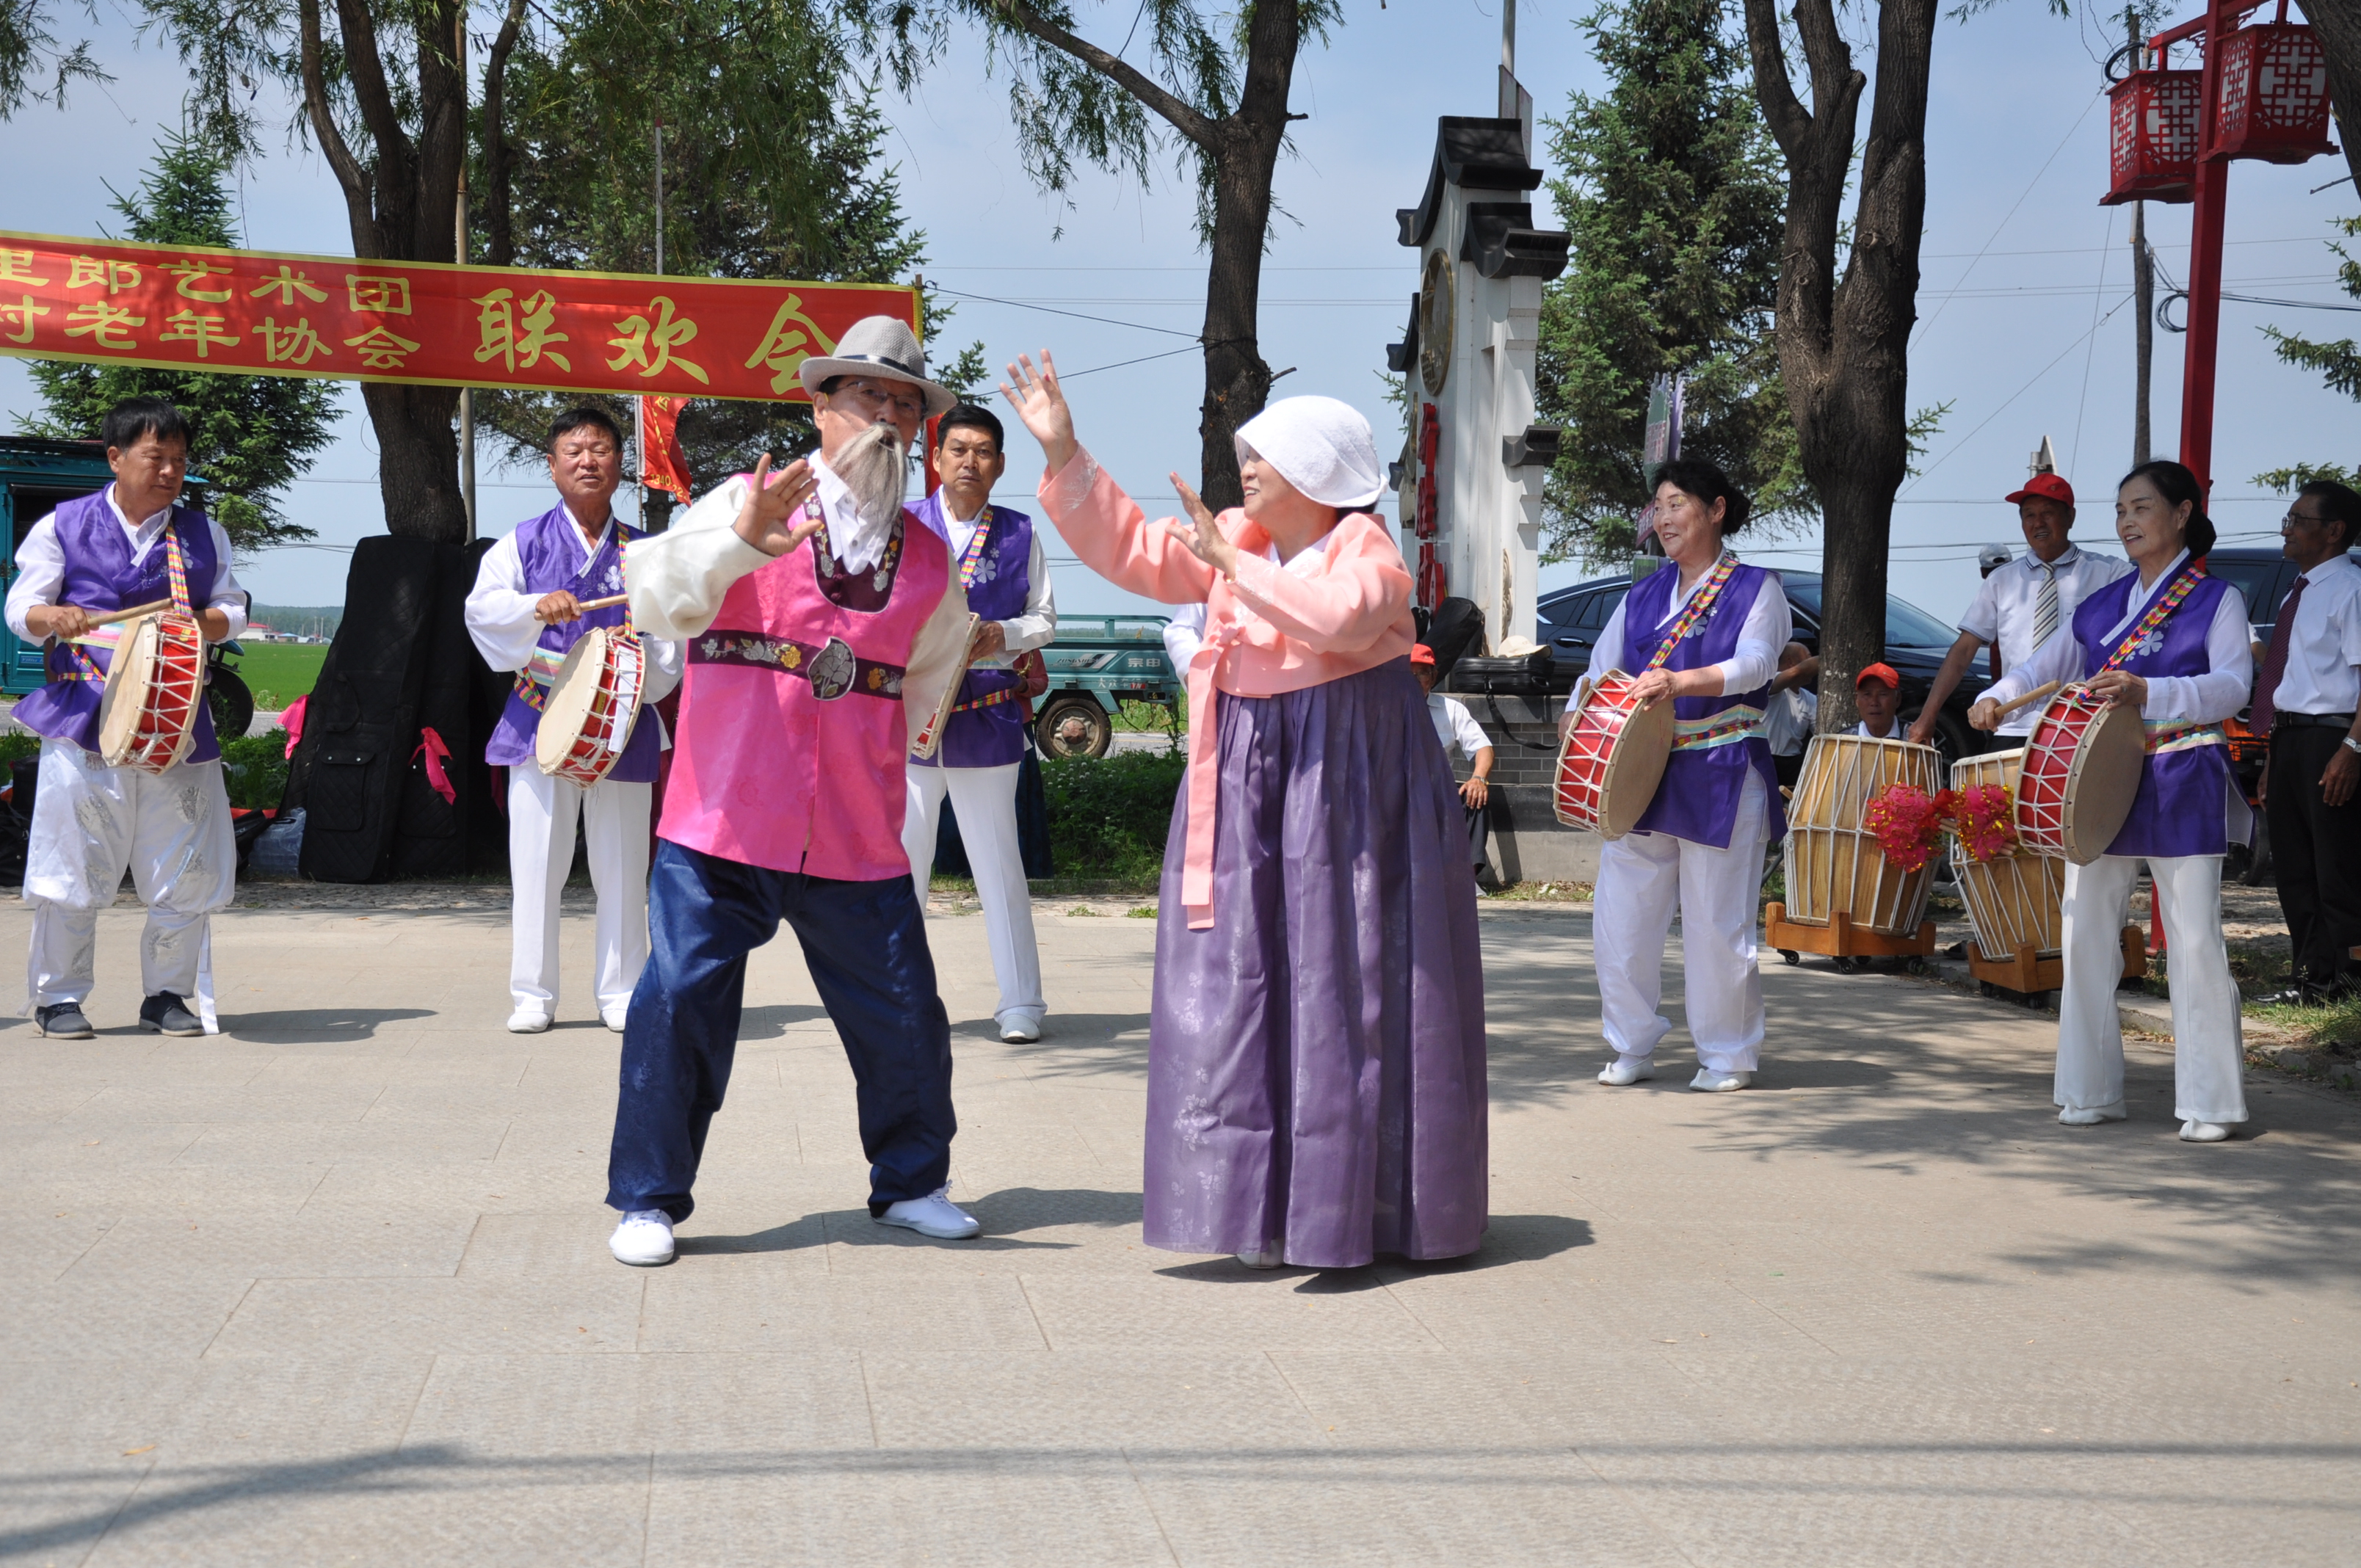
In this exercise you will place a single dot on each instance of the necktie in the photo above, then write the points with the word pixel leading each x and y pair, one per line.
pixel 2045 606
pixel 2267 688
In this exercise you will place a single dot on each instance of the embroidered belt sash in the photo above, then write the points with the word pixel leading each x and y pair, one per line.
pixel 2164 738
pixel 1006 694
pixel 1727 727
pixel 832 668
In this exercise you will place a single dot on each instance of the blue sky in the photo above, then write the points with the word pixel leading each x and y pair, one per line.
pixel 2019 264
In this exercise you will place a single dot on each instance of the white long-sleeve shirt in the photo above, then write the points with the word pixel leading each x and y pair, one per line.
pixel 1768 627
pixel 677 578
pixel 2208 699
pixel 1182 633
pixel 500 621
pixel 1037 627
pixel 41 568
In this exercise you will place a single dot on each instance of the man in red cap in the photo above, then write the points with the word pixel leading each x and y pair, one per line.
pixel 2021 604
pixel 1877 696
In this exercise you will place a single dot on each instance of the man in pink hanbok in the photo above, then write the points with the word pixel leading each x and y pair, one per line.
pixel 1316 1076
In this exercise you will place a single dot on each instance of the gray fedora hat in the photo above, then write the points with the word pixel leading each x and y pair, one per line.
pixel 887 348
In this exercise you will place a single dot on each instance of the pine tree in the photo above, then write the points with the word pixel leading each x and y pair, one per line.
pixel 252 434
pixel 1672 191
pixel 2338 362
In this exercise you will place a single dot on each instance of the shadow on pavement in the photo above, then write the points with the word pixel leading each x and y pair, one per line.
pixel 318 1026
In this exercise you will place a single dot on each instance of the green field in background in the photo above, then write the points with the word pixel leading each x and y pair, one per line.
pixel 278 673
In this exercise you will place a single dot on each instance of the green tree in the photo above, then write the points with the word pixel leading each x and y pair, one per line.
pixel 798 190
pixel 28 49
pixel 1672 192
pixel 2339 364
pixel 253 434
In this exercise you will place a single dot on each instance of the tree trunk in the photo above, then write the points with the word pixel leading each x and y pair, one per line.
pixel 1843 346
pixel 401 204
pixel 2337 25
pixel 1245 161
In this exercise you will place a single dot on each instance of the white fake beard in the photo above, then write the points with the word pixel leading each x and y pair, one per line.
pixel 874 465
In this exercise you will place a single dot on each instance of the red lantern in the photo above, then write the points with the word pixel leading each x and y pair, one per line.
pixel 1431 586
pixel 2274 95
pixel 2152 117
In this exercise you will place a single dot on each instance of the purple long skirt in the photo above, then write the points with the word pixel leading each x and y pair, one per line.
pixel 1316 1058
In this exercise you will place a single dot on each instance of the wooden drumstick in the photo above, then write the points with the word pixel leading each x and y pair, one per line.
pixel 610 602
pixel 133 614
pixel 2030 698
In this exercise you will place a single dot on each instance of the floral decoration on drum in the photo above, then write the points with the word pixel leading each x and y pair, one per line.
pixel 1984 822
pixel 1908 823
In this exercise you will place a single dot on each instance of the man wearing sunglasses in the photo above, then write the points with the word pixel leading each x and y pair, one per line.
pixel 2306 699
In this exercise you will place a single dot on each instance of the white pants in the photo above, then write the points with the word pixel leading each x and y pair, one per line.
pixel 90 822
pixel 541 811
pixel 1642 879
pixel 2209 1043
pixel 985 802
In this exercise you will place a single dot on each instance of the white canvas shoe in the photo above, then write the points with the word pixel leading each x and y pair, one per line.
pixel 2092 1116
pixel 1269 1258
pixel 2196 1132
pixel 1713 1081
pixel 1020 1026
pixel 934 1215
pixel 643 1240
pixel 528 1021
pixel 1625 1070
pixel 614 1020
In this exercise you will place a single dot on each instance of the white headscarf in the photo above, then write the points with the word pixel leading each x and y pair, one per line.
pixel 1321 446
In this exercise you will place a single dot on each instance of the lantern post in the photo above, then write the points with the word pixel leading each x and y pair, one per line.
pixel 2263 95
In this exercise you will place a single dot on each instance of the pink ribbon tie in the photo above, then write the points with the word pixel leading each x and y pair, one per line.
pixel 436 752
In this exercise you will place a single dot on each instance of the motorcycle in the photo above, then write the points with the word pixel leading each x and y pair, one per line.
pixel 226 693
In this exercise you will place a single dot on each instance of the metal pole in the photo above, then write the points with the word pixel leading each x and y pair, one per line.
pixel 2143 292
pixel 2212 201
pixel 459 249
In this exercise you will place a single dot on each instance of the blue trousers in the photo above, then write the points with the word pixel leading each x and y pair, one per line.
pixel 866 945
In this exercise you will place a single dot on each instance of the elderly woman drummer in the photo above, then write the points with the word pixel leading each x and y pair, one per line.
pixel 2173 643
pixel 1705 632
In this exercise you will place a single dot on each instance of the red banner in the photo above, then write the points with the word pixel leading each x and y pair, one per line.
pixel 192 308
pixel 663 465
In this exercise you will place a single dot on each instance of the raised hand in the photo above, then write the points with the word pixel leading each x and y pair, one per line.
pixel 1201 533
pixel 557 609
pixel 1041 405
pixel 770 502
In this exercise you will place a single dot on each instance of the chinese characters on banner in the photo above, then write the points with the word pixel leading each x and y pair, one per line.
pixel 190 308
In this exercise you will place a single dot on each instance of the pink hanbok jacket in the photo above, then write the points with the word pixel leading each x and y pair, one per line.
pixel 1274 629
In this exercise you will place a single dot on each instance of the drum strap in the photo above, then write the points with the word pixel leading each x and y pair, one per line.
pixel 2158 613
pixel 1700 605
pixel 176 567
pixel 540 672
pixel 1006 694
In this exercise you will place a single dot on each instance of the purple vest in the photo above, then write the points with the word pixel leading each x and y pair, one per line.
pixel 2183 801
pixel 101 577
pixel 550 548
pixel 1718 738
pixel 998 589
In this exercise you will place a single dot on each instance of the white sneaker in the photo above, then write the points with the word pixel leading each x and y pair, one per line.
pixel 2196 1132
pixel 2093 1116
pixel 528 1021
pixel 1020 1026
pixel 643 1240
pixel 1625 1070
pixel 1269 1258
pixel 1713 1081
pixel 614 1020
pixel 934 1215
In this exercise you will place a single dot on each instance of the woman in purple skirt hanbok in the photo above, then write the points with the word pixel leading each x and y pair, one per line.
pixel 1315 1088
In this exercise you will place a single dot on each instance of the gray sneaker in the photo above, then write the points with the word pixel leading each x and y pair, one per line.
pixel 165 1014
pixel 62 1020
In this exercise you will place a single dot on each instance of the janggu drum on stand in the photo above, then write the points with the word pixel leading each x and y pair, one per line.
pixel 1845 897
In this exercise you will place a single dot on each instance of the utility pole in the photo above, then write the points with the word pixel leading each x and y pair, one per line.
pixel 2143 286
pixel 459 248
pixel 640 405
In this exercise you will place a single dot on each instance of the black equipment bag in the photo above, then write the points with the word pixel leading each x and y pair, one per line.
pixel 1528 675
pixel 432 836
pixel 1458 626
pixel 361 725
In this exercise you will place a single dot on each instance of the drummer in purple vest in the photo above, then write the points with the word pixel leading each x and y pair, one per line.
pixel 2174 643
pixel 1706 632
pixel 823 623
pixel 128 544
pixel 525 614
pixel 998 557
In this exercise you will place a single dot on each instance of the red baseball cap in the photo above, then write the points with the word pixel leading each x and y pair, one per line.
pixel 2044 487
pixel 1420 653
pixel 1883 673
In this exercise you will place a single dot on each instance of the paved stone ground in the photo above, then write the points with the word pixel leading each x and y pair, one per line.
pixel 331 1288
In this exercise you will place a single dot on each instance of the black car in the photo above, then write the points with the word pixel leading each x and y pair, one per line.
pixel 1571 619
